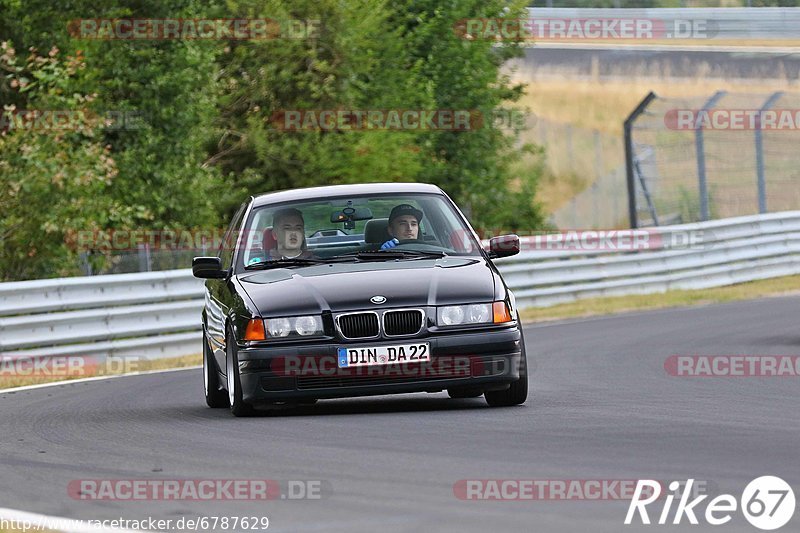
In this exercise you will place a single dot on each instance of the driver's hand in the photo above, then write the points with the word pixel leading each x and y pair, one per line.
pixel 390 244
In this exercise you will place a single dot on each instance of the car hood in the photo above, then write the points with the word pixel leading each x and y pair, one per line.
pixel 349 286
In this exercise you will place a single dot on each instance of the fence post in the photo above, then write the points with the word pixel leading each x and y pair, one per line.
pixel 628 127
pixel 699 145
pixel 762 182
pixel 570 158
pixel 86 264
pixel 598 155
pixel 574 210
pixel 144 258
pixel 618 180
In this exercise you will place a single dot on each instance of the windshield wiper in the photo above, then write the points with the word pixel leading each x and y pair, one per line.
pixel 300 261
pixel 385 255
pixel 275 263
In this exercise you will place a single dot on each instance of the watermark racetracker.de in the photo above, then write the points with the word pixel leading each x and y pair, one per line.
pixel 67 120
pixel 340 119
pixel 560 489
pixel 733 366
pixel 534 29
pixel 153 29
pixel 197 490
pixel 64 366
pixel 611 240
pixel 728 119
pixel 198 239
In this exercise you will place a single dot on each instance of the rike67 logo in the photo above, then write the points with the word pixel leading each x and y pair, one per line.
pixel 767 502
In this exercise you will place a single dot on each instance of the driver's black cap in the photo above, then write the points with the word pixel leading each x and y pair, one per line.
pixel 405 209
pixel 286 212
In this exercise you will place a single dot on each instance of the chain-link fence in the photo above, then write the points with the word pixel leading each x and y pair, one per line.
pixel 716 156
pixel 593 161
pixel 601 205
pixel 144 259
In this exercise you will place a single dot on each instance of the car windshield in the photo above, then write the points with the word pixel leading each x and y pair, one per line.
pixel 370 227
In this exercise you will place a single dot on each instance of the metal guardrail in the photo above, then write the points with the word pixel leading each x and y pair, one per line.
pixel 148 315
pixel 730 251
pixel 157 314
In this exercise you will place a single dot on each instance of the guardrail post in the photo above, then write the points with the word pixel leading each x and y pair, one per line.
pixel 762 183
pixel 628 126
pixel 700 148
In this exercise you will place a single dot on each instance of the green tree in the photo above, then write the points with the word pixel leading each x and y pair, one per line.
pixel 474 167
pixel 52 178
pixel 372 54
pixel 168 86
pixel 204 138
pixel 354 62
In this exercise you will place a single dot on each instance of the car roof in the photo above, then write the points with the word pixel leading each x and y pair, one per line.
pixel 309 193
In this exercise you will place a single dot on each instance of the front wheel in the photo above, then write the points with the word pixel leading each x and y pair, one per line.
pixel 517 393
pixel 215 396
pixel 238 406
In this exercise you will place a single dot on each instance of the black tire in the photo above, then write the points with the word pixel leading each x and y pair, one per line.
pixel 238 406
pixel 463 392
pixel 215 395
pixel 517 393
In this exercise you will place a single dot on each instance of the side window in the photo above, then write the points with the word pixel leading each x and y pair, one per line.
pixel 229 241
pixel 252 246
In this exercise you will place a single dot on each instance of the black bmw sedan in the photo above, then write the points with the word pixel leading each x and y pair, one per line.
pixel 356 290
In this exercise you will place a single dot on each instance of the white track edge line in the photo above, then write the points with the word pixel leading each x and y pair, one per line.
pixel 96 378
pixel 42 522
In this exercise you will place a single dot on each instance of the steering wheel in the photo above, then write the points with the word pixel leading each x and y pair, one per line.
pixel 421 245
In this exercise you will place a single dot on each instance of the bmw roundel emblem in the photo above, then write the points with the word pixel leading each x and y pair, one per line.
pixel 378 299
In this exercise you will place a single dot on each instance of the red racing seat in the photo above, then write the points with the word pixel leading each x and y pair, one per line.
pixel 268 241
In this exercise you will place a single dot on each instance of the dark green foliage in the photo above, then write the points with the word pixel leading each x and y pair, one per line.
pixel 203 139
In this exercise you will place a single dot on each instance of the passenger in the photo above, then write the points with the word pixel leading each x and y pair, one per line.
pixel 288 229
pixel 403 225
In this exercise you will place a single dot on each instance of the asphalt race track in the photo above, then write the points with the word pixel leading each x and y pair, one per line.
pixel 603 407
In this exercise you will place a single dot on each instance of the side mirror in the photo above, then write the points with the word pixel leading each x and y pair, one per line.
pixel 503 246
pixel 208 268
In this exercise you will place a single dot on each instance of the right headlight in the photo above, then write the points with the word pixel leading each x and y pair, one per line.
pixel 301 326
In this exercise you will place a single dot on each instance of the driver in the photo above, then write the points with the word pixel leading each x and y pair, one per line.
pixel 403 224
pixel 288 228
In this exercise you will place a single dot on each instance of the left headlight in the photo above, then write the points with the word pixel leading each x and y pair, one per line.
pixel 459 315
pixel 300 326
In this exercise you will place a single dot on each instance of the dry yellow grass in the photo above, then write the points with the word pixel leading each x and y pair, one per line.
pixel 620 304
pixel 601 106
pixel 605 105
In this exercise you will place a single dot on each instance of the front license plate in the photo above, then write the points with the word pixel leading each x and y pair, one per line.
pixel 384 355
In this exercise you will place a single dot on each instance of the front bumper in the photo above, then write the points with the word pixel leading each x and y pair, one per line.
pixel 480 360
